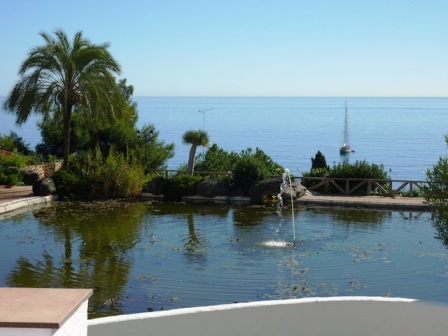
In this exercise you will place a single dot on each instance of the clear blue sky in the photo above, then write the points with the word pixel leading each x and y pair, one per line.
pixel 248 47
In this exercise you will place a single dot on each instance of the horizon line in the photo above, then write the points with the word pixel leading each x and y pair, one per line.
pixel 276 96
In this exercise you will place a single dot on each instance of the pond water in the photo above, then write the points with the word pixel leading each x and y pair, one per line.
pixel 142 257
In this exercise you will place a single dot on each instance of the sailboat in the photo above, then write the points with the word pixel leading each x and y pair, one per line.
pixel 345 149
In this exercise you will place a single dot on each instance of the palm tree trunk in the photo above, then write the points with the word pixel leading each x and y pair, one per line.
pixel 67 117
pixel 191 159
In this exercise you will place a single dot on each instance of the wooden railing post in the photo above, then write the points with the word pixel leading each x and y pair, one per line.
pixel 369 188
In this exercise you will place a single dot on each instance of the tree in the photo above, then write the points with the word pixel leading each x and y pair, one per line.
pixel 216 159
pixel 436 193
pixel 120 133
pixel 319 161
pixel 195 139
pixel 62 76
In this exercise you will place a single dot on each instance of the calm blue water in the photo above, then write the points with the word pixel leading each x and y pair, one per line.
pixel 168 256
pixel 404 134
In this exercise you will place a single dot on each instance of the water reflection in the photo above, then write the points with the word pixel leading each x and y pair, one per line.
pixel 196 244
pixel 95 238
pixel 251 216
pixel 441 226
pixel 140 256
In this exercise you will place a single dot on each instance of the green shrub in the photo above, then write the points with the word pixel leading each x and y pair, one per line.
pixel 70 186
pixel 357 170
pixel 13 160
pixel 216 159
pixel 116 176
pixel 436 193
pixel 10 176
pixel 14 143
pixel 248 172
pixel 174 189
pixel 95 177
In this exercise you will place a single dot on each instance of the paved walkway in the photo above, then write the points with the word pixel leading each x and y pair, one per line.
pixel 12 194
pixel 370 202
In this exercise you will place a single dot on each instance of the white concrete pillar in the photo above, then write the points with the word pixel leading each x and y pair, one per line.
pixel 43 311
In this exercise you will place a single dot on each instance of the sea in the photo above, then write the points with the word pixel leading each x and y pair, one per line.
pixel 405 135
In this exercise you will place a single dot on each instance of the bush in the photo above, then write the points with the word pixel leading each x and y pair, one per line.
pixel 13 160
pixel 248 166
pixel 14 143
pixel 357 170
pixel 70 186
pixel 216 159
pixel 10 177
pixel 248 172
pixel 116 176
pixel 93 177
pixel 436 193
pixel 174 189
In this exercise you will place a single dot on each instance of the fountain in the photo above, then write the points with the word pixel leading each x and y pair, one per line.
pixel 286 176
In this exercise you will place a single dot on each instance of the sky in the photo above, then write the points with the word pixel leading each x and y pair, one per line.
pixel 248 47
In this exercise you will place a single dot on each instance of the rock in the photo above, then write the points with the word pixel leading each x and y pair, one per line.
pixel 212 188
pixel 266 191
pixel 29 176
pixel 44 187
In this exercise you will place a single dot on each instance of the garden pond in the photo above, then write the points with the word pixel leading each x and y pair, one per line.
pixel 150 256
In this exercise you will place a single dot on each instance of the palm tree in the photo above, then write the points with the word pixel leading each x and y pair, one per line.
pixel 61 76
pixel 195 138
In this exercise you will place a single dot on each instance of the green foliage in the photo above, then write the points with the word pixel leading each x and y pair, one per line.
pixel 216 159
pixel 10 176
pixel 116 176
pixel 174 189
pixel 319 161
pixel 18 161
pixel 195 139
pixel 360 170
pixel 62 76
pixel 9 168
pixel 153 153
pixel 436 193
pixel 14 143
pixel 248 166
pixel 71 186
pixel 268 166
pixel 248 171
pixel 357 170
pixel 94 176
pixel 316 172
pixel 119 132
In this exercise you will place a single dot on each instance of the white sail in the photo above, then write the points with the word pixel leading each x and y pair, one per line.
pixel 346 146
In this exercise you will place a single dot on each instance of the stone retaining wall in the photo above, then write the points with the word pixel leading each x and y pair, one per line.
pixel 47 169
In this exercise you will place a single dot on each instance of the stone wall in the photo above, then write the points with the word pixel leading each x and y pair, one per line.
pixel 47 169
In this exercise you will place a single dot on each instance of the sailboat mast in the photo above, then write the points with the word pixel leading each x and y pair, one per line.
pixel 346 126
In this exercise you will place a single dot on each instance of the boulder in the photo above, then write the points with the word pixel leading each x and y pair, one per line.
pixel 44 187
pixel 267 191
pixel 29 176
pixel 212 188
